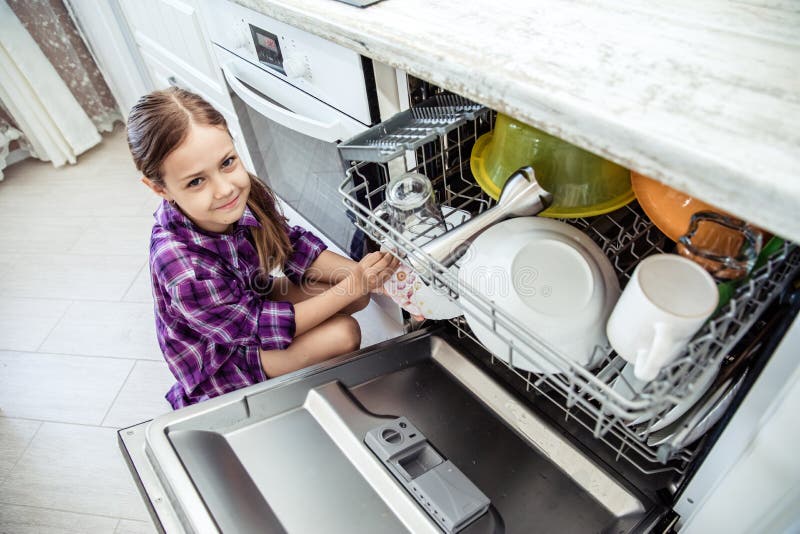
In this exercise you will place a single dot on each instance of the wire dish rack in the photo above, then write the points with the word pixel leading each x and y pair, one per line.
pixel 626 236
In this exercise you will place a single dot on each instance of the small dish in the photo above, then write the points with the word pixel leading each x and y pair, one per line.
pixel 551 278
pixel 407 289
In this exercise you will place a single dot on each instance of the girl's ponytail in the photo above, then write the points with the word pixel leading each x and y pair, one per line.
pixel 271 241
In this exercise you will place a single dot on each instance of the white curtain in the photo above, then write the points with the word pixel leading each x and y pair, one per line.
pixel 50 117
pixel 7 134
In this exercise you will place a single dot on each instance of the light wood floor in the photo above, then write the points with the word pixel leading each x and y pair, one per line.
pixel 78 354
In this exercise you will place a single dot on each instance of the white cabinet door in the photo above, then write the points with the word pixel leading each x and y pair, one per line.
pixel 170 33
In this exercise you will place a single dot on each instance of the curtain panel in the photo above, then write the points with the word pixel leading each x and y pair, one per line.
pixel 51 87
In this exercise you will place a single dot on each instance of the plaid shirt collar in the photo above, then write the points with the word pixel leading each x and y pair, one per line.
pixel 169 216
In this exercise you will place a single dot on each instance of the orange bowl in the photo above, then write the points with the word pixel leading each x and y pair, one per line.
pixel 669 209
pixel 720 243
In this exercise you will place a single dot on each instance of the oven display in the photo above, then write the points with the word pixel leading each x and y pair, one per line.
pixel 268 48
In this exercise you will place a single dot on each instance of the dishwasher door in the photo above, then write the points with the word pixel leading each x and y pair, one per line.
pixel 289 455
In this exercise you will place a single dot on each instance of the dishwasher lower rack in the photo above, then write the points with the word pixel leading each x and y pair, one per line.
pixel 626 236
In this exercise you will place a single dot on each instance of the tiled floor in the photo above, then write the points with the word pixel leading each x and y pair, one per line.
pixel 78 355
pixel 78 351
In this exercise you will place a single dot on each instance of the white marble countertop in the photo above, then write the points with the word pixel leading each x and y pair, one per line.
pixel 704 96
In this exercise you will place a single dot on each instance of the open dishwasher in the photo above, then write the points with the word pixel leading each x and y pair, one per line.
pixel 431 432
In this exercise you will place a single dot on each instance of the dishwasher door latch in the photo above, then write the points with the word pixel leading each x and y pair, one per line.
pixel 446 494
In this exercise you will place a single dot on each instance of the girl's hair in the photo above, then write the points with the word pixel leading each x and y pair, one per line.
pixel 158 124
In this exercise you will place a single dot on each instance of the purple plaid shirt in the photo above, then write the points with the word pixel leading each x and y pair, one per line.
pixel 211 311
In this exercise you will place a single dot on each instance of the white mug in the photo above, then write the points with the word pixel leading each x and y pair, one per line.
pixel 666 301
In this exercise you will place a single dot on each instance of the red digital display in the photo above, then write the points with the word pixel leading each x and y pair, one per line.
pixel 268 48
pixel 266 42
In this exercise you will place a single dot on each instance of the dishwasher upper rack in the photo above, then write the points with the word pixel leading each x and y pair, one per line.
pixel 625 236
pixel 411 128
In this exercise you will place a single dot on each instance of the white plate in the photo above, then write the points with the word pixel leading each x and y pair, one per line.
pixel 549 276
pixel 628 386
pixel 702 384
pixel 407 289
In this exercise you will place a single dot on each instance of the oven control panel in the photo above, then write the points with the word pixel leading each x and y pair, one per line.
pixel 268 48
pixel 325 70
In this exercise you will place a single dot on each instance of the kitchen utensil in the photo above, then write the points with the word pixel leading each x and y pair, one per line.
pixel 724 246
pixel 550 277
pixel 582 184
pixel 712 414
pixel 407 289
pixel 667 299
pixel 522 195
pixel 669 209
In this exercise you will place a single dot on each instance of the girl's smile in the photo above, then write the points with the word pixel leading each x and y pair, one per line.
pixel 204 177
pixel 231 204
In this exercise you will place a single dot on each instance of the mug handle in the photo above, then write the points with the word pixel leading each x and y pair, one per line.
pixel 649 361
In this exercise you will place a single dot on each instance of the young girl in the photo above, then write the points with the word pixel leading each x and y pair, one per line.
pixel 223 322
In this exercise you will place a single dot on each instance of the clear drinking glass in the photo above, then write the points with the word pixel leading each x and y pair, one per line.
pixel 410 207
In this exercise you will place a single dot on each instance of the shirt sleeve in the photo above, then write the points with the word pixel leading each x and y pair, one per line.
pixel 307 248
pixel 225 313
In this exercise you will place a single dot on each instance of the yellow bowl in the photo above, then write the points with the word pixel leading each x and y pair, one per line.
pixel 582 184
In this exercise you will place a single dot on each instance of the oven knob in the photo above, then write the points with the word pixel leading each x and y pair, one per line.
pixel 295 67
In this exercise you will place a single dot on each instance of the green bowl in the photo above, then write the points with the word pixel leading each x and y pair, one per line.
pixel 582 184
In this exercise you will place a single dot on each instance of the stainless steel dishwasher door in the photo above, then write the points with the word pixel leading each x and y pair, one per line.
pixel 289 454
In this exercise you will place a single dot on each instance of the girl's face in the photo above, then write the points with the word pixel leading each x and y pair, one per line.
pixel 206 179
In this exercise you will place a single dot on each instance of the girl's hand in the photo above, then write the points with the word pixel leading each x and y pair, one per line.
pixel 373 270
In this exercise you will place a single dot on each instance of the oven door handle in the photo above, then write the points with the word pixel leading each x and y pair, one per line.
pixel 325 131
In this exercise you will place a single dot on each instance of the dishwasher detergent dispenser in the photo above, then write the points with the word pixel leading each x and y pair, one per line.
pixel 449 497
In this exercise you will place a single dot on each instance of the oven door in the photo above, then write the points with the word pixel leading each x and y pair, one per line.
pixel 292 137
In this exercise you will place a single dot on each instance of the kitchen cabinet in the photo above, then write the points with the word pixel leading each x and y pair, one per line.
pixel 175 48
pixel 171 36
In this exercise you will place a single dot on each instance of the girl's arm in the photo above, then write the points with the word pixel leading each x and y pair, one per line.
pixel 368 274
pixel 330 267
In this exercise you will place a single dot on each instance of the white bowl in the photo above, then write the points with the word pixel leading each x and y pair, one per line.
pixel 552 279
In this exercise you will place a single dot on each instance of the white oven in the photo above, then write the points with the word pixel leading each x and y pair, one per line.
pixel 296 97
